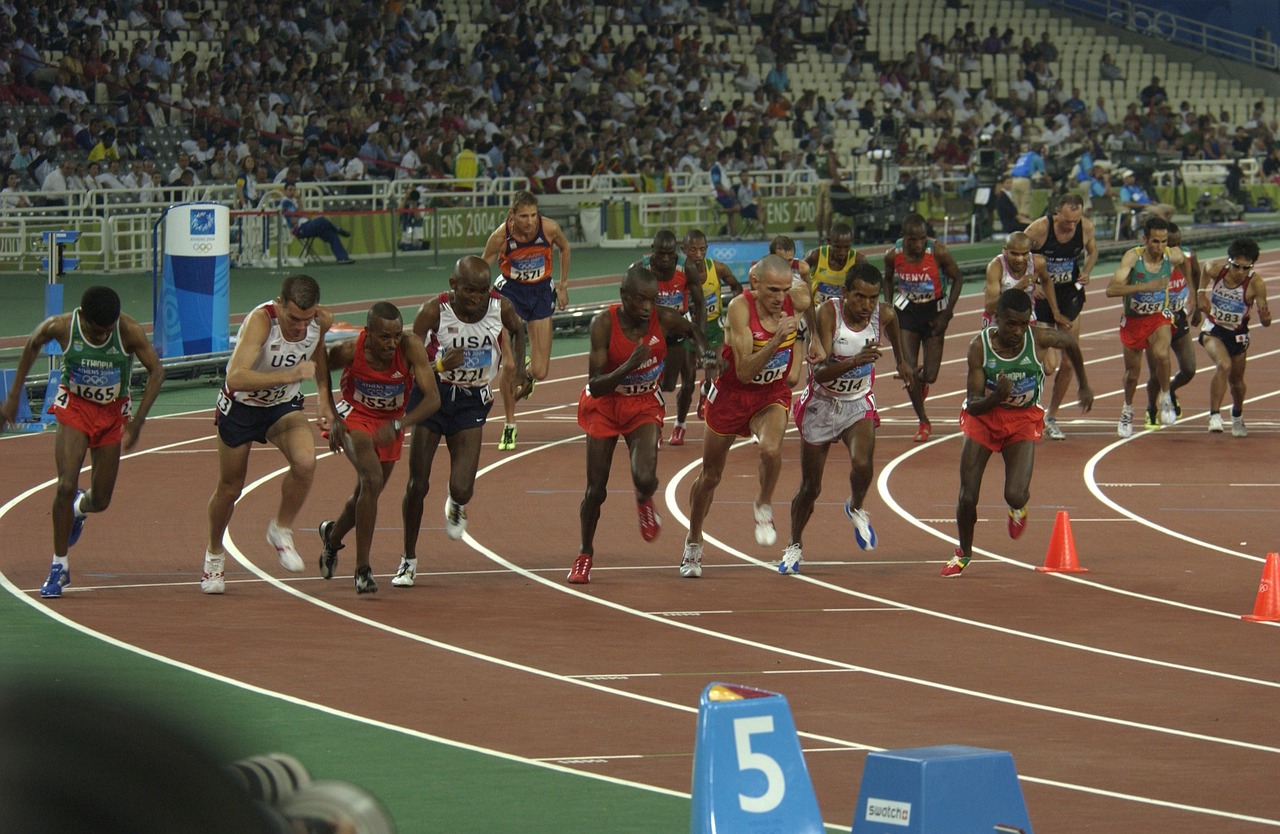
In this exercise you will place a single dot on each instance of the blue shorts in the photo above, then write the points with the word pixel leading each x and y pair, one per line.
pixel 239 424
pixel 532 302
pixel 461 408
pixel 1235 341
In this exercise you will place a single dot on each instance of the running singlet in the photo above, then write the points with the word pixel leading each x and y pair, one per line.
pixel 856 382
pixel 1008 281
pixel 1227 306
pixel 1179 288
pixel 526 263
pixel 480 341
pixel 378 395
pixel 1147 303
pixel 673 293
pixel 776 369
pixel 711 290
pixel 644 379
pixel 278 353
pixel 97 373
pixel 917 283
pixel 826 281
pixel 1024 371
pixel 1061 259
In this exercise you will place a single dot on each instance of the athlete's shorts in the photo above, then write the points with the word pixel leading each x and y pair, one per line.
pixel 1070 303
pixel 102 423
pixel 715 337
pixel 532 302
pixel 239 424
pixel 824 420
pixel 461 408
pixel 731 413
pixel 359 421
pixel 1181 326
pixel 1000 427
pixel 1135 331
pixel 918 318
pixel 1235 341
pixel 616 415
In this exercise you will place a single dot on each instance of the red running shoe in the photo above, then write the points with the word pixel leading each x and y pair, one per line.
pixel 924 431
pixel 1017 522
pixel 957 564
pixel 650 521
pixel 677 436
pixel 580 573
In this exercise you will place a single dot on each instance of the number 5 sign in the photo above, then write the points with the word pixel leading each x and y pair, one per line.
pixel 749 775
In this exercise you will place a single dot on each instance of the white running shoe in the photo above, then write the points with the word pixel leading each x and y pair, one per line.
pixel 281 538
pixel 691 563
pixel 790 560
pixel 1125 429
pixel 213 580
pixel 862 531
pixel 1051 429
pixel 405 573
pixel 766 533
pixel 1237 427
pixel 455 518
pixel 1168 414
pixel 1215 423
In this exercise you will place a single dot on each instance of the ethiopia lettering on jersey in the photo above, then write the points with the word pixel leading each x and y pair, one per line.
pixel 1024 371
pixel 95 380
pixel 97 373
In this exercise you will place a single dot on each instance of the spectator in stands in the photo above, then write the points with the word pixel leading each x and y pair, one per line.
pixel 1153 94
pixel 247 184
pixel 777 81
pixel 722 189
pixel 1099 182
pixel 315 227
pixel 748 197
pixel 1098 115
pixel 992 44
pixel 1045 50
pixel 11 197
pixel 1011 220
pixel 1028 167
pixel 1108 70
pixel 1135 197
pixel 57 180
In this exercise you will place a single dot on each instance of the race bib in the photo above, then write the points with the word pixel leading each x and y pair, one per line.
pixel 775 368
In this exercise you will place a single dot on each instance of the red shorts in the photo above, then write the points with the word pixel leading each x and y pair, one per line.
pixel 1002 427
pixel 615 415
pixel 102 423
pixel 358 421
pixel 731 412
pixel 1136 330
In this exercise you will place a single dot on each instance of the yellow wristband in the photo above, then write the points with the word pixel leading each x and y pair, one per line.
pixel 439 366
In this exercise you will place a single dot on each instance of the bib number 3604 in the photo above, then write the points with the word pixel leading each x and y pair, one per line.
pixel 748 759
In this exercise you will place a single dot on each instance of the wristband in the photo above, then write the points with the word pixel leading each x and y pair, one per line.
pixel 439 365
pixel 396 426
pixel 1204 291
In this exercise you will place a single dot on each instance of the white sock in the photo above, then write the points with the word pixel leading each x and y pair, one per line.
pixel 679 424
pixel 60 560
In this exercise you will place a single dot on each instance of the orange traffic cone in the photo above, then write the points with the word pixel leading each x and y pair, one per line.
pixel 1267 608
pixel 1061 557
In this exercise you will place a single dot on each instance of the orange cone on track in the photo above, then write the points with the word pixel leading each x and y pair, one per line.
pixel 1267 608
pixel 1061 557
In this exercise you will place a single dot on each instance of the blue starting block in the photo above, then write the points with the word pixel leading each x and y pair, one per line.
pixel 931 790
pixel 749 775
pixel 23 419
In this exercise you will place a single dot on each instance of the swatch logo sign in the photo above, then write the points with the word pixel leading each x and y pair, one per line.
pixel 889 812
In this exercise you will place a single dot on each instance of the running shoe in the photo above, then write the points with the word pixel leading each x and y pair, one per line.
pixel 455 518
pixel 1125 427
pixel 922 434
pixel 281 538
pixel 790 560
pixel 77 520
pixel 650 521
pixel 766 534
pixel 1167 414
pixel 364 581
pixel 508 441
pixel 862 532
pixel 328 553
pixel 1153 421
pixel 1177 406
pixel 405 574
pixel 1215 423
pixel 1017 522
pixel 1237 427
pixel 957 564
pixel 677 436
pixel 691 562
pixel 213 580
pixel 59 578
pixel 1051 429
pixel 580 573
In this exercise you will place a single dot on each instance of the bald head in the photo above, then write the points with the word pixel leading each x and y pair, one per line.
pixel 471 270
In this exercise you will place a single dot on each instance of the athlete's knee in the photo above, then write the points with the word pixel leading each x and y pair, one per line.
pixel 594 495
pixel 462 493
pixel 303 468
pixel 1017 496
pixel 810 489
pixel 67 486
pixel 646 483
pixel 967 501
pixel 708 480
pixel 417 488
pixel 102 497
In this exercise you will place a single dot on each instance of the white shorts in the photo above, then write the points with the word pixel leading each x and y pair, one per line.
pixel 823 420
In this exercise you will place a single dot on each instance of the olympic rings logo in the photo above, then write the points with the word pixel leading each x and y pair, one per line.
pixel 202 247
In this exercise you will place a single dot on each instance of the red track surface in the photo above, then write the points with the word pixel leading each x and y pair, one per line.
pixel 1133 697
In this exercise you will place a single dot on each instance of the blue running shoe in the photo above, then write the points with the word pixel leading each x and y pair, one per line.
pixel 77 523
pixel 59 578
pixel 862 531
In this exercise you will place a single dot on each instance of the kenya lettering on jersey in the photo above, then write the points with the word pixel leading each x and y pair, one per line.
pixel 278 353
pixel 917 283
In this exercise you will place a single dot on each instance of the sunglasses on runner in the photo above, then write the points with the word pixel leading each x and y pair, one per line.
pixel 1238 266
